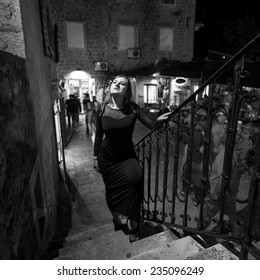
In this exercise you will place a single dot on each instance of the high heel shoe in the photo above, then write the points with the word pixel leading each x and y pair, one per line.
pixel 134 233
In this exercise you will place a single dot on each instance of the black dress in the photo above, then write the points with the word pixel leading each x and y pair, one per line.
pixel 117 161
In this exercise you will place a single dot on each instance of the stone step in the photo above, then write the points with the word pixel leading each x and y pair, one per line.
pixel 113 246
pixel 216 252
pixel 90 232
pixel 174 250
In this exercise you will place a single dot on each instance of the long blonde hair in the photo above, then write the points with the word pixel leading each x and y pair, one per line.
pixel 128 96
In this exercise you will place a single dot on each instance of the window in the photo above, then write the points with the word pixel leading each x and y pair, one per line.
pixel 127 37
pixel 166 39
pixel 169 2
pixel 75 35
pixel 150 93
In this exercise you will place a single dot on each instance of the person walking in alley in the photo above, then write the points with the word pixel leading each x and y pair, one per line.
pixel 76 109
pixel 88 110
pixel 115 156
pixel 69 109
pixel 96 108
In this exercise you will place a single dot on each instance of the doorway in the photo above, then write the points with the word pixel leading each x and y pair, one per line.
pixel 79 83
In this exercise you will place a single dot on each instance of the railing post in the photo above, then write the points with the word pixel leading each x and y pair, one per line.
pixel 156 176
pixel 175 167
pixel 142 144
pixel 206 155
pixel 165 168
pixel 187 174
pixel 230 140
pixel 149 173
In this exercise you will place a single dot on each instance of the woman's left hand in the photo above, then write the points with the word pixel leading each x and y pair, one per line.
pixel 163 117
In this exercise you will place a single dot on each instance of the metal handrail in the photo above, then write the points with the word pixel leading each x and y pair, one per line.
pixel 165 138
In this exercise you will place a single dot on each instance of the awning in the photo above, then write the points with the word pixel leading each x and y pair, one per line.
pixel 146 70
pixel 192 69
pixel 206 68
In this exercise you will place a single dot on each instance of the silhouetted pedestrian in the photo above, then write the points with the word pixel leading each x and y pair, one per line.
pixel 88 110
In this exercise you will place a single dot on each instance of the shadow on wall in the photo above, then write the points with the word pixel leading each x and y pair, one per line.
pixel 64 220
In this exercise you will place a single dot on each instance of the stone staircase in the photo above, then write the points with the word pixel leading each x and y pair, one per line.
pixel 158 242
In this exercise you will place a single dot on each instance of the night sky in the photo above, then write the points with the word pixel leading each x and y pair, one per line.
pixel 218 16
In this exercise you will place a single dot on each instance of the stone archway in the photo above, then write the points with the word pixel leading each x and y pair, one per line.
pixel 79 82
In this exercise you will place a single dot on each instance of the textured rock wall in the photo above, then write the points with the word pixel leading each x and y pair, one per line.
pixel 18 150
pixel 28 152
pixel 11 35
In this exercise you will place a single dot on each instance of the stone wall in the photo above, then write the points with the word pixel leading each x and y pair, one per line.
pixel 28 153
pixel 18 150
pixel 101 20
pixel 11 34
pixel 41 71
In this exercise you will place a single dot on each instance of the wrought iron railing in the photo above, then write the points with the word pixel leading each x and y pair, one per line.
pixel 201 172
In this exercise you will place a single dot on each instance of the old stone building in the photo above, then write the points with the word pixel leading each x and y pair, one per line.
pixel 106 37
pixel 28 148
pixel 81 43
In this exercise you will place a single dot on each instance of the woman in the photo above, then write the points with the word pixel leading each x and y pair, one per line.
pixel 115 154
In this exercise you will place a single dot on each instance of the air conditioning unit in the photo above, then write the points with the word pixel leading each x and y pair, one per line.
pixel 133 53
pixel 101 66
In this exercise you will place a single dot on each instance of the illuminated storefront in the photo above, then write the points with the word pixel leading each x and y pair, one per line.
pixel 155 90
pixel 180 90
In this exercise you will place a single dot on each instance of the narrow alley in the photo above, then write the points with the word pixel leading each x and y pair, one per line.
pixel 91 234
